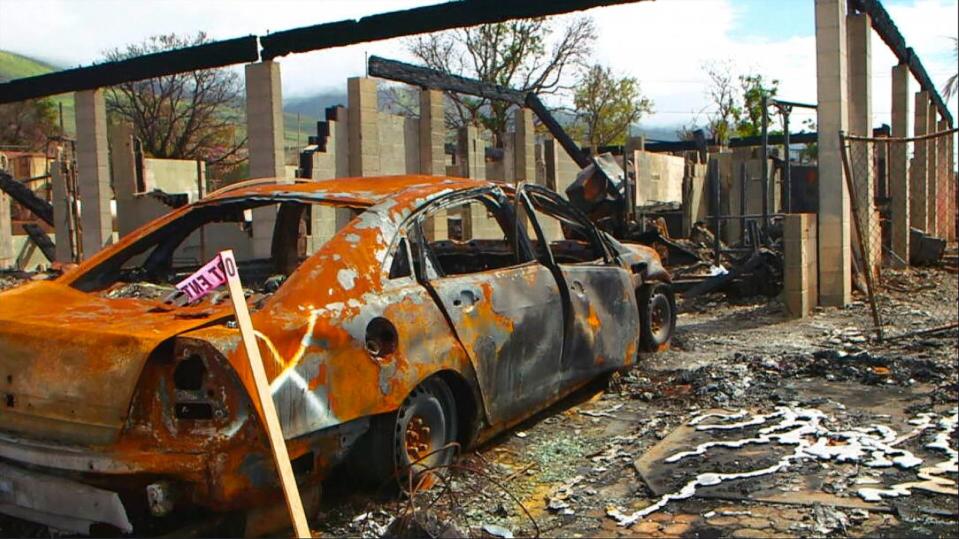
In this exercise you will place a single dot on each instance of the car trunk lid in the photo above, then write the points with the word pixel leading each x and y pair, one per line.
pixel 70 361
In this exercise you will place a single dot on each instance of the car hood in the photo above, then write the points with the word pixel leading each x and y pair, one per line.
pixel 70 360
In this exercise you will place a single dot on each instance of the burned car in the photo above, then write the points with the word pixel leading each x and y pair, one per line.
pixel 432 311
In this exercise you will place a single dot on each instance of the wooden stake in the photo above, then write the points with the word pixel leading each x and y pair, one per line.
pixel 277 443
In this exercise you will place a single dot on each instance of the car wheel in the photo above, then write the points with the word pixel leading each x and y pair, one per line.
pixel 410 437
pixel 657 317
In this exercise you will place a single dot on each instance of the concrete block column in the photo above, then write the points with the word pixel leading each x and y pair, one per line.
pixel 835 277
pixel 432 131
pixel 932 173
pixel 919 176
pixel 6 233
pixel 264 124
pixel 799 264
pixel 123 167
pixel 364 134
pixel 943 208
pixel 898 160
pixel 61 212
pixel 93 170
pixel 951 186
pixel 471 151
pixel 524 146
pixel 858 34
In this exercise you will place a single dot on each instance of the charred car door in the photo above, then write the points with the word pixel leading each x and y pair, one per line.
pixel 502 303
pixel 602 322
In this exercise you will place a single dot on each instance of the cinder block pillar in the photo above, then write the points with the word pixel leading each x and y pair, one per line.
pixel 858 34
pixel 471 150
pixel 898 160
pixel 6 233
pixel 942 209
pixel 799 265
pixel 123 165
pixel 264 124
pixel 432 128
pixel 919 177
pixel 364 126
pixel 93 170
pixel 835 278
pixel 951 186
pixel 61 213
pixel 932 173
pixel 524 146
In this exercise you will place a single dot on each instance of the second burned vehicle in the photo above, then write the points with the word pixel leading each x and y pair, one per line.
pixel 441 311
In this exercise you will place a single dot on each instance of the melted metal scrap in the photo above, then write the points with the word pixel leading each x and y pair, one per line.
pixel 872 446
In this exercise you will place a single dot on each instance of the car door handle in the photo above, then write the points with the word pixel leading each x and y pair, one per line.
pixel 466 298
pixel 577 288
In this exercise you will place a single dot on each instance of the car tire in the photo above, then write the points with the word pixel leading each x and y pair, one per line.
pixel 411 436
pixel 657 317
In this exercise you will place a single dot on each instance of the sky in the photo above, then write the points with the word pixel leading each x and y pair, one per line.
pixel 665 44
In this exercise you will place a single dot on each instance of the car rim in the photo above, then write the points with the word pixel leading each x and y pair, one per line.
pixel 419 442
pixel 659 316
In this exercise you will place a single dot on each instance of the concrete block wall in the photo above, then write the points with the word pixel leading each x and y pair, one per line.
pixel 800 282
pixel 659 177
pixel 264 119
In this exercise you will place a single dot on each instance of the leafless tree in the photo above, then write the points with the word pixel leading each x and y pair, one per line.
pixel 190 115
pixel 27 124
pixel 722 93
pixel 526 55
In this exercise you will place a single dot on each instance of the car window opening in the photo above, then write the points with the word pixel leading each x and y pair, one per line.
pixel 568 238
pixel 474 239
pixel 152 265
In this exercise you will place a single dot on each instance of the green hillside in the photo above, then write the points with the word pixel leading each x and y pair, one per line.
pixel 15 66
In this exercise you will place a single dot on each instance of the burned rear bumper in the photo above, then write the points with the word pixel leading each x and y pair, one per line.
pixel 58 502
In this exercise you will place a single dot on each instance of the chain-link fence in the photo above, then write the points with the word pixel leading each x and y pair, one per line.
pixel 903 197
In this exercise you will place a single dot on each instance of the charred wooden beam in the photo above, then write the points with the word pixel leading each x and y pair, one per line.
pixel 41 240
pixel 22 194
pixel 690 145
pixel 437 80
pixel 417 21
pixel 208 55
pixel 883 24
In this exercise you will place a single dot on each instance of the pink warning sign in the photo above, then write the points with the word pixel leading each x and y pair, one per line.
pixel 204 281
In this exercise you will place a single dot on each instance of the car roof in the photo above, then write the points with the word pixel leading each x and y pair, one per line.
pixel 364 191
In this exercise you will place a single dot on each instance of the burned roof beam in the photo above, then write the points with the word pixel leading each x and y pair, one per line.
pixel 883 24
pixel 690 145
pixel 417 21
pixel 208 55
pixel 27 198
pixel 437 80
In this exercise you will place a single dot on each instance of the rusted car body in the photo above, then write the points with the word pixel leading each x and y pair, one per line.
pixel 121 411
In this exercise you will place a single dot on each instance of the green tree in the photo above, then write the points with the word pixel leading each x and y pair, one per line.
pixel 530 55
pixel 28 123
pixel 607 105
pixel 188 115
pixel 754 87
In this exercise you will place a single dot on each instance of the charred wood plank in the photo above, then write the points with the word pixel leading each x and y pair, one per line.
pixel 437 80
pixel 41 240
pixel 27 198
pixel 205 56
pixel 417 21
